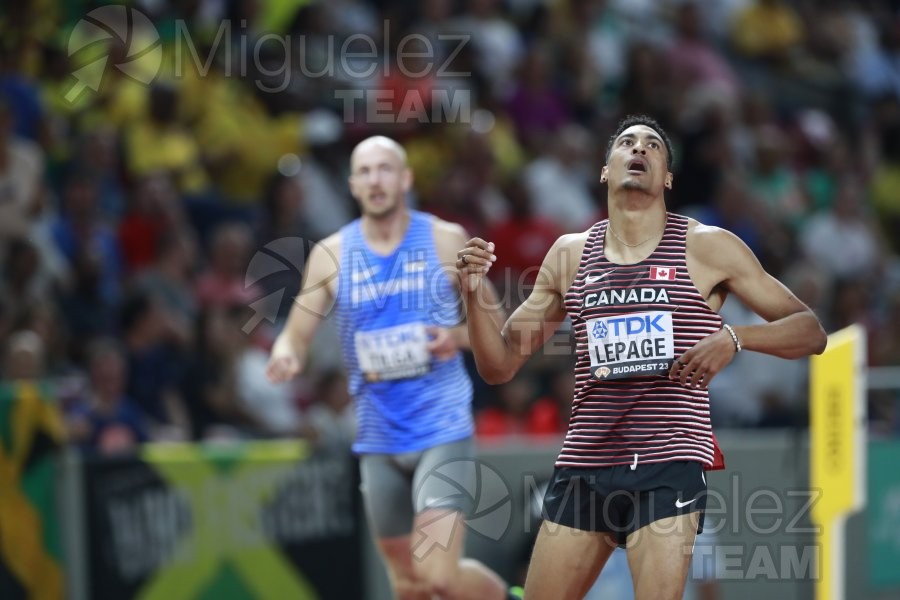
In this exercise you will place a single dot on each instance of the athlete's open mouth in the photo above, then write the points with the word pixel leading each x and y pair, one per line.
pixel 636 165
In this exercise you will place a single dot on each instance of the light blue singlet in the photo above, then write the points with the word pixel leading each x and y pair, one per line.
pixel 406 400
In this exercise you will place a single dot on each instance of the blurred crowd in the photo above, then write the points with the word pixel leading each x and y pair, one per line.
pixel 160 185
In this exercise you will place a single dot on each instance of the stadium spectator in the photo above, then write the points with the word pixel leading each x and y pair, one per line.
pixel 153 210
pixel 23 357
pixel 560 180
pixel 223 281
pixel 82 235
pixel 160 142
pixel 155 367
pixel 531 234
pixel 21 173
pixel 536 105
pixel 169 280
pixel 211 391
pixel 104 419
pixel 694 62
pixel 332 418
pixel 767 30
pixel 846 226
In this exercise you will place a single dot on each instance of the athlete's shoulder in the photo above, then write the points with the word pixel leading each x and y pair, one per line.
pixel 447 229
pixel 568 242
pixel 563 258
pixel 710 237
pixel 332 243
pixel 325 255
pixel 449 238
pixel 717 247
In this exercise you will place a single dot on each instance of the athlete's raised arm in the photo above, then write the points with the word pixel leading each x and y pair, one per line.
pixel 499 353
pixel 720 262
pixel 449 238
pixel 311 305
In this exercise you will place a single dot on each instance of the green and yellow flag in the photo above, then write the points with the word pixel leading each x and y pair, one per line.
pixel 30 556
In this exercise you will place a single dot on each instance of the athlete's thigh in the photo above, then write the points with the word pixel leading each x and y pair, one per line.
pixel 387 496
pixel 566 561
pixel 444 477
pixel 443 488
pixel 659 556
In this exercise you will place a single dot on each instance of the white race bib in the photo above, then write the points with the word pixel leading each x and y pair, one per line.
pixel 631 345
pixel 393 353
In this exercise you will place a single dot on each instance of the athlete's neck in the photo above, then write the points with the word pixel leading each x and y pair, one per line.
pixel 385 233
pixel 634 232
pixel 635 224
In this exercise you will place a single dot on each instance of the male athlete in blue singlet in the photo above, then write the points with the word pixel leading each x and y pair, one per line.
pixel 389 278
pixel 643 289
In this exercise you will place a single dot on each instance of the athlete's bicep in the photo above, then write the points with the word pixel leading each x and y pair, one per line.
pixel 538 318
pixel 751 284
pixel 316 297
pixel 449 239
pixel 533 322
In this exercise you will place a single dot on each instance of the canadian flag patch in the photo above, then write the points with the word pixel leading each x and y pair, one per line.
pixel 662 273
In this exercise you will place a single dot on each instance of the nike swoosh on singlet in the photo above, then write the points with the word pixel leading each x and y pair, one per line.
pixel 595 278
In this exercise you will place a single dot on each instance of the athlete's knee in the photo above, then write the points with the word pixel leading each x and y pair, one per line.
pixel 405 582
pixel 410 589
pixel 440 585
pixel 441 582
pixel 489 584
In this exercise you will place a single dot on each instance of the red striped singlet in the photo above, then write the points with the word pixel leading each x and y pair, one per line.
pixel 630 322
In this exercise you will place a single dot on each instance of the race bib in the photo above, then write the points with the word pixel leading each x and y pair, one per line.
pixel 631 345
pixel 393 353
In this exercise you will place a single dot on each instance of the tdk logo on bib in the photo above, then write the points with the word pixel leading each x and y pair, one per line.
pixel 631 325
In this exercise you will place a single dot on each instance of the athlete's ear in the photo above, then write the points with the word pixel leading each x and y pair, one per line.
pixel 604 174
pixel 669 178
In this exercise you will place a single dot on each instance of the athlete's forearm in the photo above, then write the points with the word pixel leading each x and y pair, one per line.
pixel 460 336
pixel 794 336
pixel 493 356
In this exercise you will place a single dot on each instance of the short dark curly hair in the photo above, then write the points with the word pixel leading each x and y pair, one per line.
pixel 631 121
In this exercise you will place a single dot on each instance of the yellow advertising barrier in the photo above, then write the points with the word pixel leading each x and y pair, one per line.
pixel 837 450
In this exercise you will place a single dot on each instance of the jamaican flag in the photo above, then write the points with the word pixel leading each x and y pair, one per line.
pixel 264 520
pixel 30 430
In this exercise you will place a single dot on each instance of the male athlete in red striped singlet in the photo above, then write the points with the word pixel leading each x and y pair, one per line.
pixel 642 290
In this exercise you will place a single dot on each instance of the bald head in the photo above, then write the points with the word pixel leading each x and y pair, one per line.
pixel 379 176
pixel 377 141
